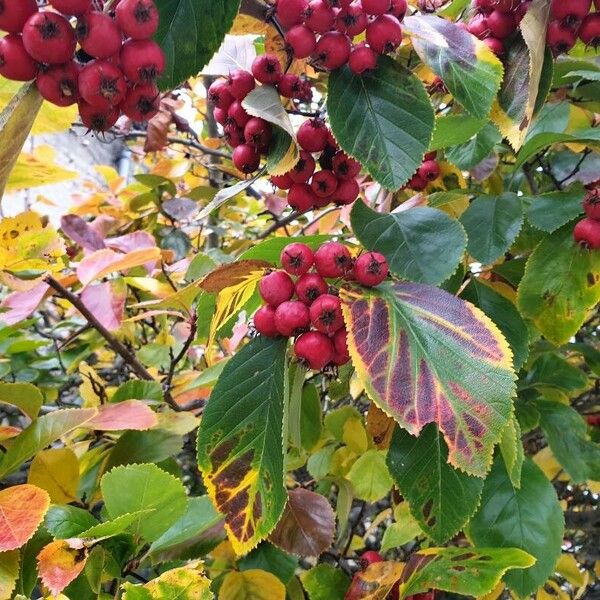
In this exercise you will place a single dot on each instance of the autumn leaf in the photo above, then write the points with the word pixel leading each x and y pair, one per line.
pixel 103 262
pixel 57 471
pixel 60 562
pixel 130 414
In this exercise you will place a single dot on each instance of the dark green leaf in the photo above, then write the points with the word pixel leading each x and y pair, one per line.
pixel 325 582
pixel 470 154
pixel 451 130
pixel 67 521
pixel 310 418
pixel 152 446
pixel 138 390
pixel 553 371
pixel 550 211
pixel 271 559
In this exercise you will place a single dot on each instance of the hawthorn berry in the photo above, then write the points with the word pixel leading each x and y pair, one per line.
pixel 495 45
pixel 324 183
pixel 591 204
pixel 314 350
pixel 14 14
pixel 340 341
pixel 478 26
pixel 560 38
pixel 219 95
pixel 142 102
pixel 301 197
pixel 376 7
pixel 97 119
pixel 72 7
pixel 587 233
pixel 570 13
pixel 276 287
pixel 246 158
pixel 384 34
pixel 266 69
pixel 98 35
pixel 301 40
pixel 312 135
pixel 142 60
pixel 344 166
pixel 290 86
pixel 15 62
pixel 371 269
pixel 234 135
pixel 290 12
pixel 309 287
pixel 238 114
pixel 326 314
pixel 319 16
pixel 352 20
pixel 303 169
pixel 332 50
pixel 292 318
pixel 429 170
pixel 589 32
pixel 417 183
pixel 362 59
pixel 240 83
pixel 333 260
pixel 500 24
pixel 369 557
pixel 257 132
pixel 138 19
pixel 49 38
pixel 297 258
pixel 59 84
pixel 101 84
pixel 347 192
pixel 264 321
pixel 398 9
pixel 283 182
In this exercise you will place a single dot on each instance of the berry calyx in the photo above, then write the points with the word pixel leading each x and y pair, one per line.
pixel 301 197
pixel 384 34
pixel 332 50
pixel 417 183
pixel 429 170
pixel 587 233
pixel 97 119
pixel 276 287
pixel 142 61
pixel 314 350
pixel 303 169
pixel 589 32
pixel 142 102
pixel 309 287
pixel 15 62
pixel 362 59
pixel 264 321
pixel 138 19
pixel 333 260
pixel 371 269
pixel 98 34
pixel 344 166
pixel 324 183
pixel 301 40
pixel 59 84
pixel 257 132
pixel 234 135
pixel 219 95
pixel 312 135
pixel 101 84
pixel 292 318
pixel 14 15
pixel 49 38
pixel 267 69
pixel 246 158
pixel 326 314
pixel 297 258
pixel 352 20
pixel 571 13
pixel 560 38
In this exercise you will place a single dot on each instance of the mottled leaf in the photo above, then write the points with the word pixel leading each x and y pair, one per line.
pixel 57 471
pixel 425 356
pixel 59 563
pixel 375 582
pixel 231 274
pixel 254 584
pixel 22 509
pixel 183 583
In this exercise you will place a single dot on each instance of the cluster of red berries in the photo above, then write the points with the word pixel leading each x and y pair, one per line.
pixel 428 172
pixel 250 136
pixel 587 231
pixel 572 19
pixel 324 30
pixel 114 71
pixel 315 316
pixel 495 20
pixel 335 182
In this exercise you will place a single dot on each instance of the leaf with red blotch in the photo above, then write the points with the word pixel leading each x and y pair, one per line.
pixel 7 432
pixel 22 509
pixel 231 274
pixel 60 562
pixel 307 525
pixel 17 306
pixel 103 262
pixel 106 301
pixel 81 233
pixel 129 414
pixel 375 582
pixel 425 356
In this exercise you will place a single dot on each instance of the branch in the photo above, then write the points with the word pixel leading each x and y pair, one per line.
pixel 279 224
pixel 186 346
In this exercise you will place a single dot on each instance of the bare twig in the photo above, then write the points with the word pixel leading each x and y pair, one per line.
pixel 184 350
pixel 279 224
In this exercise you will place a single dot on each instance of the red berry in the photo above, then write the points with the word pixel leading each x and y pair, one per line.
pixel 97 119
pixel 264 321
pixel 587 233
pixel 369 557
pixel 347 192
pixel 246 158
pixel 290 12
pixel 240 83
pixel 521 10
pixel 142 61
pixel 345 167
pixel 384 34
pixel 59 84
pixel 267 69
pixel 276 287
pixel 15 62
pixel 49 38
pixel 319 16
pixel 429 170
pixel 303 169
pixel 314 350
pixel 352 20
pixel 301 197
pixel 324 183
pixel 138 19
pixel 234 135
pixel 290 86
pixel 257 132
pixel 297 258
pixel 430 156
pixel 570 12
pixel 142 102
pixel 478 26
pixel 560 38
pixel 102 84
pixel 219 95
pixel 417 183
pixel 72 7
pixel 371 269
pixel 591 204
pixel 326 314
pixel 98 34
pixel 309 287
pixel 301 40
pixel 312 135
pixel 506 6
pixel 283 182
pixel 14 14
pixel 495 45
pixel 589 32
pixel 398 9
pixel 333 260
pixel 376 7
pixel 292 318
pixel 237 114
pixel 500 24
pixel 362 59
pixel 340 341
pixel 333 50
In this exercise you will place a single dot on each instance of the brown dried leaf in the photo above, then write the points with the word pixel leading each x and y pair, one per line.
pixel 231 274
pixel 380 427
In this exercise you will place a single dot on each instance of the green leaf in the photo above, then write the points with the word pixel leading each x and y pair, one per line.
pixel 116 526
pixel 64 521
pixel 561 283
pixel 421 244
pixel 240 442
pixel 425 356
pixel 271 559
pixel 283 152
pixel 190 32
pixel 310 417
pixel 441 498
pixel 264 101
pixel 471 153
pixel 552 371
pixel 270 250
pixel 512 451
pixel 451 130
pixel 25 396
pixel 9 572
pixel 567 435
pixel 138 390
pixel 184 583
pixel 492 224
pixel 325 582
pixel 504 314
pixel 370 477
pixel 529 518
pixel 148 488
pixel 550 211
pixel 384 119
pixel 467 67
pixel 465 571
pixel 404 530
pixel 152 446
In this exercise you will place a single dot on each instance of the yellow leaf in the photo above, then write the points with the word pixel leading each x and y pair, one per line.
pixel 254 584
pixel 92 386
pixel 355 436
pixel 568 568
pixel 245 24
pixel 546 462
pixel 184 583
pixel 9 573
pixel 34 170
pixel 495 593
pixel 59 563
pixel 56 471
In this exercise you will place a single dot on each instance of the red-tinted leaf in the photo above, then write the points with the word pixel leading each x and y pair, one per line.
pixel 22 509
pixel 7 432
pixel 103 262
pixel 425 356
pixel 19 305
pixel 106 301
pixel 81 233
pixel 231 274
pixel 130 414
pixel 59 563
pixel 307 525
pixel 375 582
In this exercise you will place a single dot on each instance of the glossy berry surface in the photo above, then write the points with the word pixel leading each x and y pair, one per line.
pixel 276 287
pixel 14 14
pixel 371 269
pixel 292 318
pixel 297 258
pixel 266 68
pixel 333 260
pixel 309 287
pixel 314 350
pixel 264 321
pixel 59 84
pixel 326 314
pixel 49 38
pixel 138 19
pixel 15 62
